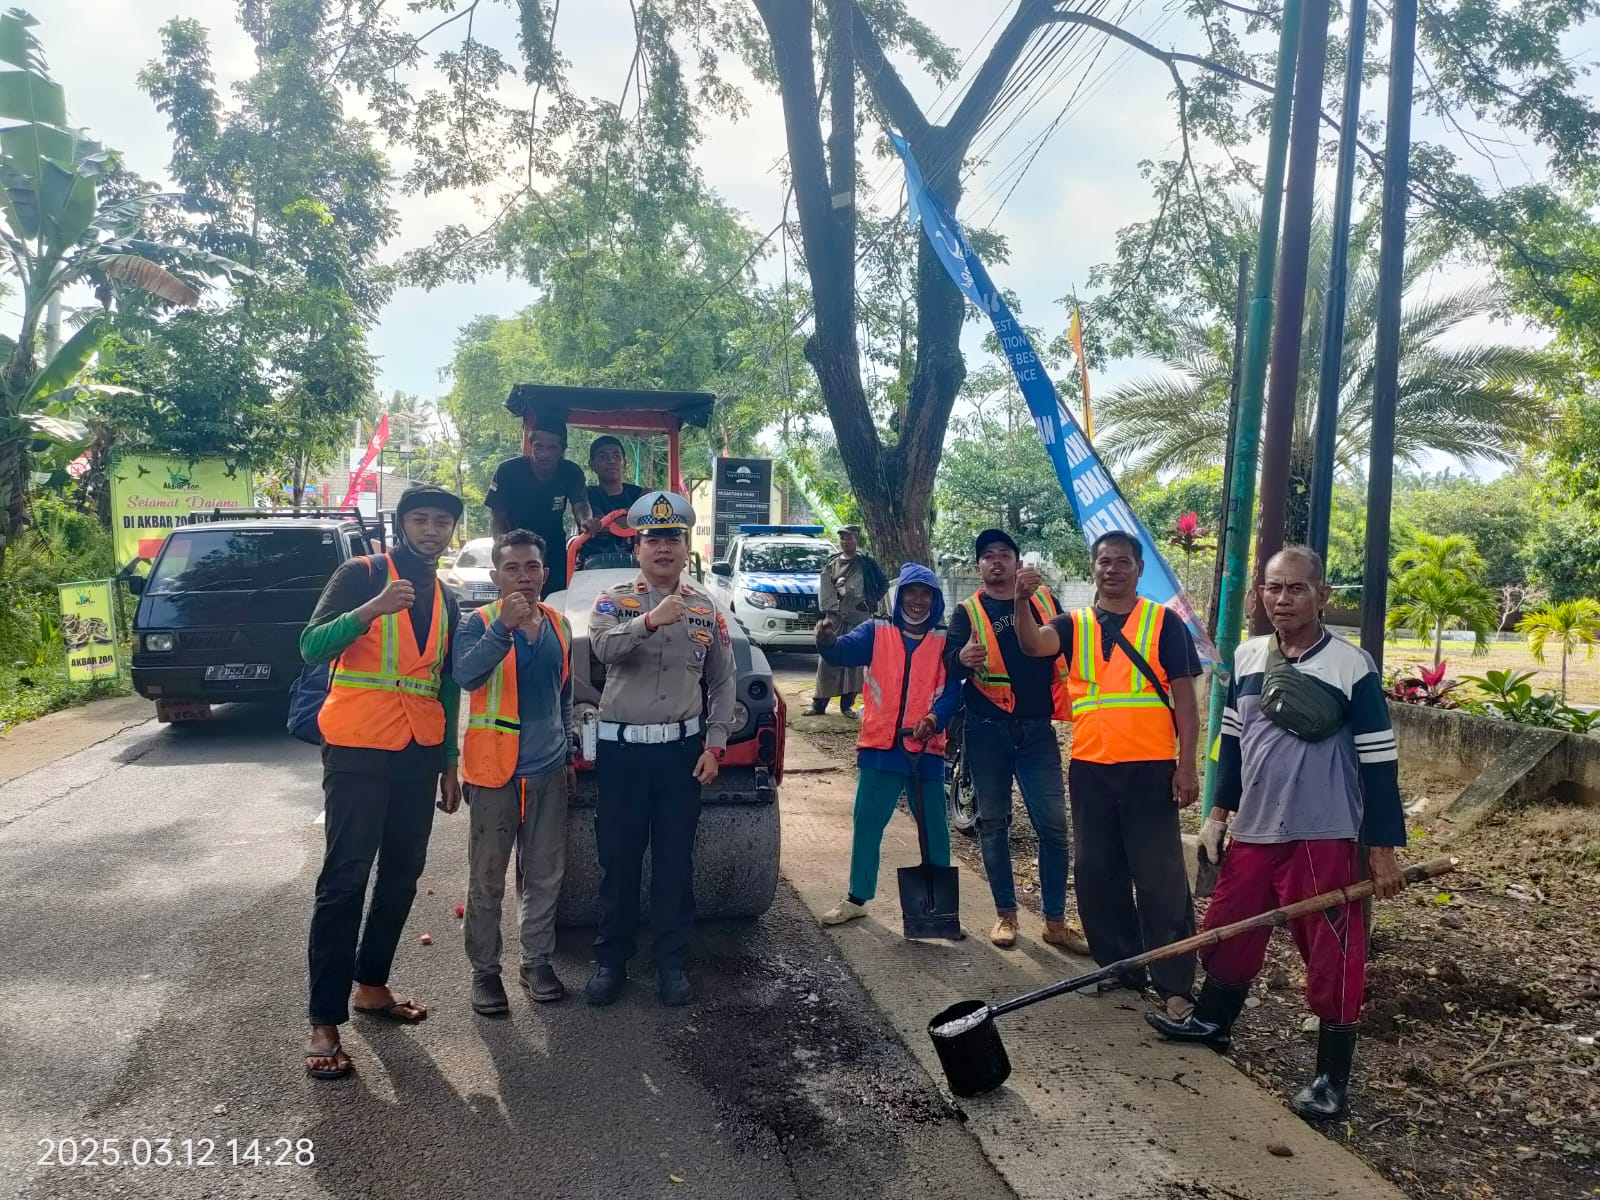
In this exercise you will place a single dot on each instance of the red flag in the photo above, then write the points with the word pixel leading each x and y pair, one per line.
pixel 380 436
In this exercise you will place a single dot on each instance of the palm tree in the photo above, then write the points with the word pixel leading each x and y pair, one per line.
pixel 1433 600
pixel 1453 556
pixel 1438 582
pixel 1474 400
pixel 1570 624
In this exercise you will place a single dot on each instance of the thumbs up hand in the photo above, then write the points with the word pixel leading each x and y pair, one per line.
pixel 972 655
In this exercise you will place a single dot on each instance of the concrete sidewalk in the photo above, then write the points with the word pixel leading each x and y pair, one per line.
pixel 1096 1107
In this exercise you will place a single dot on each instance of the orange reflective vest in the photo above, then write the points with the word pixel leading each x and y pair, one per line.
pixel 991 679
pixel 383 693
pixel 494 730
pixel 1117 714
pixel 900 691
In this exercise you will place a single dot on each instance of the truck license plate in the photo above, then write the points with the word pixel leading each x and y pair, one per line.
pixel 232 671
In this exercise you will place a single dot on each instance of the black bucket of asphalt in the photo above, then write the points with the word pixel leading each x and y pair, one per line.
pixel 968 1044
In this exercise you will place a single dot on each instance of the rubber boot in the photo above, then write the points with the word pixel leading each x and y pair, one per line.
pixel 1328 1094
pixel 1212 1020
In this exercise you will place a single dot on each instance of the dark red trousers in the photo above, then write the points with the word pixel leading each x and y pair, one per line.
pixel 1255 878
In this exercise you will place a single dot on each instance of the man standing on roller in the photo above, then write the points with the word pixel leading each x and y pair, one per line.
pixel 1308 771
pixel 1010 702
pixel 657 636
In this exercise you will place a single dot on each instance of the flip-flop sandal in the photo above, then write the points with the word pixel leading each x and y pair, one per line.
pixel 337 1071
pixel 396 1012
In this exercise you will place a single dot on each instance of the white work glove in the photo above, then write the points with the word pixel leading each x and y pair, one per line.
pixel 1212 831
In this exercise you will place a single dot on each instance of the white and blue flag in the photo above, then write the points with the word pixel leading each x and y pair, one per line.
pixel 1096 502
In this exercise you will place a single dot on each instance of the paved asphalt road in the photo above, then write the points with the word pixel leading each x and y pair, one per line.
pixel 156 889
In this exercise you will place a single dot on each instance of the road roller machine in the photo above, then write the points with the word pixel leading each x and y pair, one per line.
pixel 736 850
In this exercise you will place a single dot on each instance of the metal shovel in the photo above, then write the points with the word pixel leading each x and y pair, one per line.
pixel 930 896
pixel 968 1043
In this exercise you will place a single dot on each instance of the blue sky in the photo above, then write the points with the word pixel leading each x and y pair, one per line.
pixel 1060 220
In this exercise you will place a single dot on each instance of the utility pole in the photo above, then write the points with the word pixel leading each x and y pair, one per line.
pixel 1391 281
pixel 1241 306
pixel 1277 455
pixel 1327 431
pixel 1252 386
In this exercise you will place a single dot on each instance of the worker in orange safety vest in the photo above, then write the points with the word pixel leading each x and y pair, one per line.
pixel 1010 700
pixel 389 745
pixel 514 659
pixel 1135 733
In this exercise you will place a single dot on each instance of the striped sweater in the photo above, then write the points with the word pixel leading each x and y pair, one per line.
pixel 1284 789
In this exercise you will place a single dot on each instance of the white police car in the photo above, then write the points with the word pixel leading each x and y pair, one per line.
pixel 769 582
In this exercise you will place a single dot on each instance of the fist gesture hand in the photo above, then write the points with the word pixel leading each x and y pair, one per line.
pixel 515 611
pixel 398 596
pixel 827 631
pixel 668 612
pixel 1028 580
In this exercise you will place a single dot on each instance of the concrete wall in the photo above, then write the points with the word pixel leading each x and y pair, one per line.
pixel 1499 760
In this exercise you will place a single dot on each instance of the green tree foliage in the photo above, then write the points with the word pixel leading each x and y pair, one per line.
pixel 1437 582
pixel 996 473
pixel 1499 518
pixel 293 188
pixel 1568 624
pixel 57 230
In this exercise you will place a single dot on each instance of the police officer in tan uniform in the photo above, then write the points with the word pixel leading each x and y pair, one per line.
pixel 659 742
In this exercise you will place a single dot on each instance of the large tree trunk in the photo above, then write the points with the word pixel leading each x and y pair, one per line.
pixel 893 485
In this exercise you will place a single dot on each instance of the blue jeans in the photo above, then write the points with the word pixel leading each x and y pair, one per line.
pixel 1026 750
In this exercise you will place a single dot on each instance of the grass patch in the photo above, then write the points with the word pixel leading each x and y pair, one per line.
pixel 27 693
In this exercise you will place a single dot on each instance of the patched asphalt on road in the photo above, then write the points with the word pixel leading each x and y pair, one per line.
pixel 152 984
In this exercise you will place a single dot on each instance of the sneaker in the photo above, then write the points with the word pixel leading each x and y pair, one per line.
pixel 1004 933
pixel 1068 936
pixel 846 910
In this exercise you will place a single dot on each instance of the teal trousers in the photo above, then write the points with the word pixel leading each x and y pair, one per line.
pixel 877 794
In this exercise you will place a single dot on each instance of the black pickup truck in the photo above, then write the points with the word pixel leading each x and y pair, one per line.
pixel 221 611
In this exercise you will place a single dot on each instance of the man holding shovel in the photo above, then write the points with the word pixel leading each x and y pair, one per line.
pixel 1308 771
pixel 905 688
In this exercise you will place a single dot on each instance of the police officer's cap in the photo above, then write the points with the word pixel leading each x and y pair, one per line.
pixel 660 512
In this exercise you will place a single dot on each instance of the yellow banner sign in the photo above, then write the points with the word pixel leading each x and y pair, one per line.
pixel 152 494
pixel 89 629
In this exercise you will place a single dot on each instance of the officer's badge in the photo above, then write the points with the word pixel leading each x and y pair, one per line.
pixel 661 510
pixel 628 601
pixel 699 653
pixel 722 629
pixel 641 587
pixel 700 610
pixel 703 636
pixel 604 605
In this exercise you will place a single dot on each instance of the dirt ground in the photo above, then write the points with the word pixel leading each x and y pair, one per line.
pixel 1478 1077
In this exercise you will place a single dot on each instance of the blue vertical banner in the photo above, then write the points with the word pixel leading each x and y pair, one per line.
pixel 1096 502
